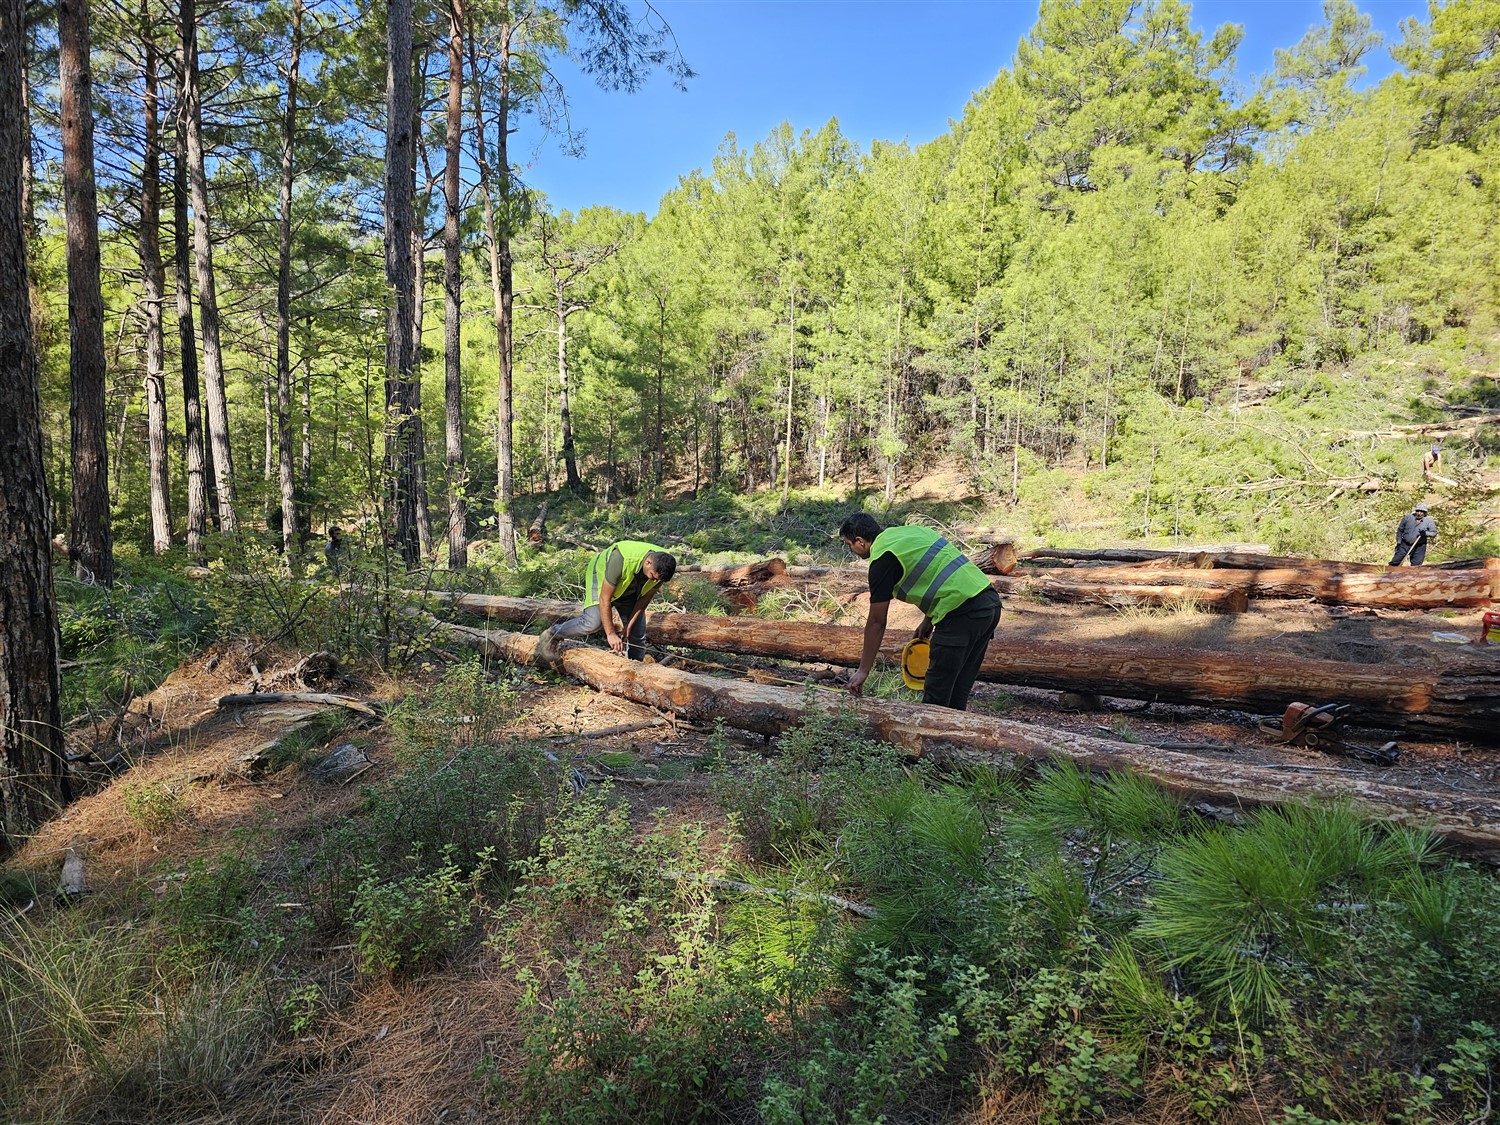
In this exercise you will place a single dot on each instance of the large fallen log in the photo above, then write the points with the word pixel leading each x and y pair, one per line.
pixel 746 574
pixel 1453 427
pixel 1414 587
pixel 1137 554
pixel 1456 699
pixel 1212 597
pixel 937 731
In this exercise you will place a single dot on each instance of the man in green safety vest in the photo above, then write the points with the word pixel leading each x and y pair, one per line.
pixel 920 567
pixel 621 579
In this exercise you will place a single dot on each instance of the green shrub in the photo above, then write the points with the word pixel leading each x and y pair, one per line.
pixel 469 704
pixel 629 1012
pixel 405 924
pixel 212 914
pixel 796 800
pixel 154 805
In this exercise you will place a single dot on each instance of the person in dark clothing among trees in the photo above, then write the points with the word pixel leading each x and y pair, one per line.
pixel 621 578
pixel 1413 533
pixel 335 551
pixel 918 566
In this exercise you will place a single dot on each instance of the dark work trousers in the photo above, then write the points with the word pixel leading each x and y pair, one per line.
pixel 1418 552
pixel 590 622
pixel 958 644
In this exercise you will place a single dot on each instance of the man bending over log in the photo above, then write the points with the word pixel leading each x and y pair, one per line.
pixel 920 567
pixel 621 578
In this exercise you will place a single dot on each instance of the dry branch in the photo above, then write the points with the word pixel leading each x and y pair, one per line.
pixel 364 706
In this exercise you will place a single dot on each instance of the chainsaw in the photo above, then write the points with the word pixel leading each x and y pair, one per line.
pixel 1303 724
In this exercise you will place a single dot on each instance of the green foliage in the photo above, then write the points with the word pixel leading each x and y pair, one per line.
pixel 469 705
pixel 70 985
pixel 409 923
pixel 629 1011
pixel 1251 913
pixel 212 912
pixel 373 610
pixel 796 799
pixel 871 1059
pixel 122 642
pixel 154 805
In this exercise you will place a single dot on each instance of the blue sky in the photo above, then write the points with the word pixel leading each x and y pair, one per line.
pixel 887 69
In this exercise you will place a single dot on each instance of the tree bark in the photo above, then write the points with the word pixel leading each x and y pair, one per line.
pixel 153 295
pixel 747 574
pixel 33 771
pixel 536 534
pixel 1328 582
pixel 453 386
pixel 194 455
pixel 1457 698
pixel 1000 559
pixel 208 299
pixel 290 536
pixel 401 316
pixel 497 236
pixel 942 732
pixel 90 544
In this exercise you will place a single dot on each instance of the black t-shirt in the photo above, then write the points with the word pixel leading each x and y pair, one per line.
pixel 885 573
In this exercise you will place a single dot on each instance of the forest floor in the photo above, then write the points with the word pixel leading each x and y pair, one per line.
pixel 408 1051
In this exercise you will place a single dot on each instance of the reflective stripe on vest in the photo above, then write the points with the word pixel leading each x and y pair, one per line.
pixel 632 554
pixel 935 575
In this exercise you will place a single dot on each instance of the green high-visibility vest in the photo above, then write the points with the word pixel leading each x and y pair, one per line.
pixel 633 553
pixel 935 575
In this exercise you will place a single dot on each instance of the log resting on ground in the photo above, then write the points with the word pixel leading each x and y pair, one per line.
pixel 1458 698
pixel 747 574
pixel 1415 587
pixel 1218 590
pixel 942 733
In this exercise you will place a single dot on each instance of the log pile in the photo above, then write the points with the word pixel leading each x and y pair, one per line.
pixel 1472 821
pixel 1456 699
pixel 1219 583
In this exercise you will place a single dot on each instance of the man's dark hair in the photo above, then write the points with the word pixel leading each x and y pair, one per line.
pixel 861 525
pixel 666 565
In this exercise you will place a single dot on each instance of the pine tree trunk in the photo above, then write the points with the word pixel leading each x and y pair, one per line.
pixel 208 301
pixel 453 385
pixel 194 455
pixel 153 285
pixel 290 534
pixel 33 774
pixel 565 406
pixel 90 547
pixel 399 353
pixel 497 235
pixel 418 307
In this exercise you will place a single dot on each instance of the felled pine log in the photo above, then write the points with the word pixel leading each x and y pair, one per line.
pixel 1136 554
pixel 999 559
pixel 747 574
pixel 1456 699
pixel 942 733
pixel 1227 590
pixel 537 532
pixel 1412 587
pixel 1070 588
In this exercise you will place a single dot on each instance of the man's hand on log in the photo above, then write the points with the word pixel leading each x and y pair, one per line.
pixel 857 683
